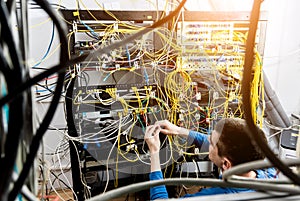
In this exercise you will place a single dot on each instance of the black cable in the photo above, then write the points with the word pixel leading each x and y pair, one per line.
pixel 184 8
pixel 60 180
pixel 39 77
pixel 140 33
pixel 52 108
pixel 7 72
pixel 113 76
pixel 91 36
pixel 246 86
pixel 83 57
pixel 74 146
pixel 16 107
pixel 44 97
pixel 197 166
pixel 10 5
pixel 7 34
pixel 46 87
pixel 54 129
pixel 37 138
pixel 39 68
pixel 35 144
pixel 10 96
pixel 4 66
pixel 127 197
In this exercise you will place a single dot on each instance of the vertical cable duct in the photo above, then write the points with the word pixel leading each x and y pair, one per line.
pixel 246 86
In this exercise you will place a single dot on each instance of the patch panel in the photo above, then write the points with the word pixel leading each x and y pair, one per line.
pixel 206 32
pixel 212 44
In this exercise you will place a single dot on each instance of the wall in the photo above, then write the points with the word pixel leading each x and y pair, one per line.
pixel 282 53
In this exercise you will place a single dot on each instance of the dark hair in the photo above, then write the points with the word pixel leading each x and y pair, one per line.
pixel 234 142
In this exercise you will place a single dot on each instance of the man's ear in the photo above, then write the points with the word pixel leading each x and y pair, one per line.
pixel 226 164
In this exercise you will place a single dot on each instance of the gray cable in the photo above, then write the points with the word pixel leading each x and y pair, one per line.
pixel 25 191
pixel 261 186
pixel 260 164
pixel 193 181
pixel 273 181
pixel 282 117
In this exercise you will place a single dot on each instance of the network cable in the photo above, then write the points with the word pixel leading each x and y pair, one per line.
pixel 247 78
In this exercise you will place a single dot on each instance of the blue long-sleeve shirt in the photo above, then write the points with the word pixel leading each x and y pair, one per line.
pixel 201 140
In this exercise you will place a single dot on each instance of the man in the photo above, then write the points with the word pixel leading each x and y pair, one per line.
pixel 229 145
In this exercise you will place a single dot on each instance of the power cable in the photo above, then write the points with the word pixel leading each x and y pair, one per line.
pixel 53 105
pixel 87 56
pixel 10 5
pixel 246 86
pixel 4 66
pixel 37 138
pixel 28 195
pixel 16 107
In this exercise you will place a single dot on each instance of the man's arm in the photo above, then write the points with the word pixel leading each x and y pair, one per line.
pixel 200 140
pixel 193 137
pixel 153 142
pixel 155 162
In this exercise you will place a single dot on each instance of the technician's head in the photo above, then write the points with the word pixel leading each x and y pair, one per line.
pixel 230 144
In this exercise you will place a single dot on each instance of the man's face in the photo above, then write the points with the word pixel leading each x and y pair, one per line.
pixel 213 149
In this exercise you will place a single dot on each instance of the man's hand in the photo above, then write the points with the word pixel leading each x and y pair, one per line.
pixel 152 138
pixel 168 128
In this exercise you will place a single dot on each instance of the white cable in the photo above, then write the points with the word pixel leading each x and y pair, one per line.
pixel 107 160
pixel 274 134
pixel 25 189
pixel 63 174
pixel 94 140
pixel 196 168
pixel 80 173
pixel 61 169
pixel 52 187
